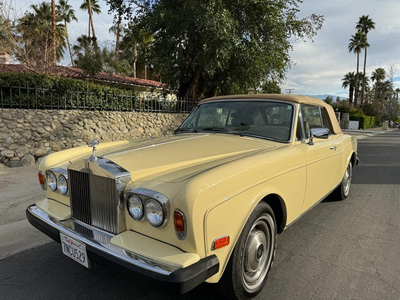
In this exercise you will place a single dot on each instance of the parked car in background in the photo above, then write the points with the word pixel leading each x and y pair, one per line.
pixel 205 204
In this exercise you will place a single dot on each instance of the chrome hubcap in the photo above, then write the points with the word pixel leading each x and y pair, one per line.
pixel 347 181
pixel 258 252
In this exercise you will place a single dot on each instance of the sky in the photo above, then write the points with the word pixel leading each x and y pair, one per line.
pixel 318 65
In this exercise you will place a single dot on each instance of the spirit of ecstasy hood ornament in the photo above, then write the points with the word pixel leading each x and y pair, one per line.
pixel 93 144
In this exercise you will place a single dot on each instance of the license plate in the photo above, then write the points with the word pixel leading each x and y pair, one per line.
pixel 74 249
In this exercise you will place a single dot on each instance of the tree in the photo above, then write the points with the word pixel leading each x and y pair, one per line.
pixel 66 14
pixel 7 38
pixel 119 8
pixel 349 81
pixel 222 47
pixel 328 99
pixel 270 87
pixel 357 43
pixel 36 38
pixel 378 76
pixel 365 25
pixel 88 56
pixel 91 6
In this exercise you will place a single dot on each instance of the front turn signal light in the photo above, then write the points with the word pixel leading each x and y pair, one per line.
pixel 42 180
pixel 180 224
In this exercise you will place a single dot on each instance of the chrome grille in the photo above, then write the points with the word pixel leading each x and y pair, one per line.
pixel 104 202
pixel 80 197
pixel 94 197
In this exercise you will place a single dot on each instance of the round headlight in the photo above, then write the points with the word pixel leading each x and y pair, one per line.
pixel 52 181
pixel 135 207
pixel 154 213
pixel 62 185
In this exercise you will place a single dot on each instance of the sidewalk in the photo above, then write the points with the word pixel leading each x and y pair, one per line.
pixel 362 134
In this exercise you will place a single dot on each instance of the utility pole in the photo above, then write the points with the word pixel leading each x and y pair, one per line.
pixel 289 91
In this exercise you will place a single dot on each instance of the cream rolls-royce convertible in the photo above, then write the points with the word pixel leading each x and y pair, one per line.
pixel 203 205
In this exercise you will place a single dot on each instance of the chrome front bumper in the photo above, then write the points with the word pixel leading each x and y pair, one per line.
pixel 179 280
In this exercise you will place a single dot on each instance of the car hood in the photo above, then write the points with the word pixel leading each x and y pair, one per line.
pixel 182 156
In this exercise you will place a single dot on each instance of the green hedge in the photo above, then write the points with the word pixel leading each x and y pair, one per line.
pixel 56 83
pixel 365 121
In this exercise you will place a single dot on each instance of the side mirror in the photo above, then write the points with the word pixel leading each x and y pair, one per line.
pixel 321 133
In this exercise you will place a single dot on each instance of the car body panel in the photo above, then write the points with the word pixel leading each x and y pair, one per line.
pixel 216 180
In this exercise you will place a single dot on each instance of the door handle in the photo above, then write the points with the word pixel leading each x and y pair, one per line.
pixel 333 148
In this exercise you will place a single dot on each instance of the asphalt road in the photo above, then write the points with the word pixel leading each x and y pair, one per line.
pixel 339 250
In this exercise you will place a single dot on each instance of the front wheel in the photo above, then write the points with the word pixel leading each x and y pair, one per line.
pixel 343 190
pixel 251 260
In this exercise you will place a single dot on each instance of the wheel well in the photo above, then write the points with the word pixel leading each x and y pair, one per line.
pixel 279 208
pixel 353 160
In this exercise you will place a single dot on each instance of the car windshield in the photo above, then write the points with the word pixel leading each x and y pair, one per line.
pixel 265 119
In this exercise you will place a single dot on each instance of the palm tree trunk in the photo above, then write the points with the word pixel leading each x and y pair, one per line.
pixel 363 87
pixel 118 35
pixel 351 93
pixel 53 24
pixel 356 92
pixel 69 45
pixel 134 60
pixel 91 23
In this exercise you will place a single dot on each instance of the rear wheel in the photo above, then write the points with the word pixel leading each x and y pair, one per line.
pixel 343 190
pixel 251 260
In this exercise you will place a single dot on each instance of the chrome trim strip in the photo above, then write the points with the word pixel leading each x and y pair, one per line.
pixel 98 242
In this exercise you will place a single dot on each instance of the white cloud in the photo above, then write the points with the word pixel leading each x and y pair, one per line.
pixel 321 65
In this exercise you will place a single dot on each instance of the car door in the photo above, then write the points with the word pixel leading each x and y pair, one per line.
pixel 322 157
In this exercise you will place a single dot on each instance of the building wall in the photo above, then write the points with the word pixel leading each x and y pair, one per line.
pixel 27 135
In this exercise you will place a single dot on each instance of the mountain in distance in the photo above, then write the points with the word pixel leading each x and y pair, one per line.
pixel 322 97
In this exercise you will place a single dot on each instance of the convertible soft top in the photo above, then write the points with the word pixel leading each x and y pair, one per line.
pixel 284 97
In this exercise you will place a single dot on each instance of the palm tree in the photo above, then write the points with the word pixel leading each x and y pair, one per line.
pixel 349 81
pixel 92 6
pixel 36 32
pixel 67 14
pixel 357 43
pixel 118 7
pixel 88 56
pixel 378 76
pixel 365 24
pixel 53 27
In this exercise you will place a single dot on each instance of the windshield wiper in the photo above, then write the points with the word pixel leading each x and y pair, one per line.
pixel 215 129
pixel 185 130
pixel 222 130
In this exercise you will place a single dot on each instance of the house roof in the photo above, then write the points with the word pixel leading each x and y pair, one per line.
pixel 61 71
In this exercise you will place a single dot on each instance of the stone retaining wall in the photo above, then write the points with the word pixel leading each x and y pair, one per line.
pixel 27 135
